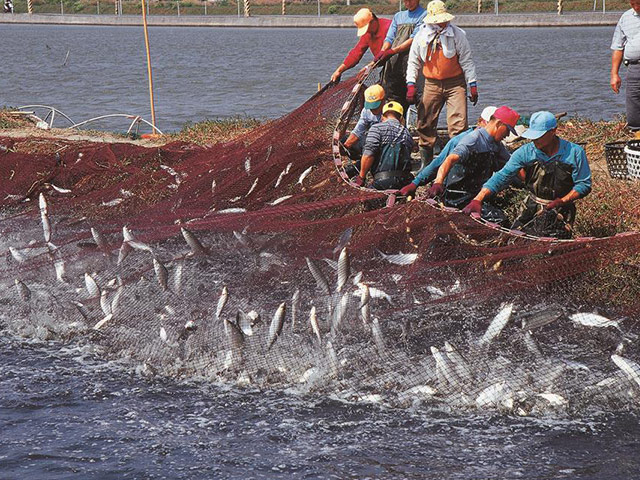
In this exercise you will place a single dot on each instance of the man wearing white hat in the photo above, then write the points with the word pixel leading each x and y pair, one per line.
pixel 372 32
pixel 443 53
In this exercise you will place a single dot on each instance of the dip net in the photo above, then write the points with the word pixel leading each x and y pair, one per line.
pixel 256 262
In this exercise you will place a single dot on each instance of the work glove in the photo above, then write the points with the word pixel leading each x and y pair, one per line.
pixel 384 55
pixel 435 190
pixel 358 181
pixel 473 93
pixel 411 93
pixel 558 202
pixel 474 206
pixel 408 189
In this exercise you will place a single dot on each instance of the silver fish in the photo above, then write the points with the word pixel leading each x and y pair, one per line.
pixel 213 186
pixel 365 314
pixel 44 208
pixel 630 368
pixel 276 325
pixel 127 235
pixel 232 210
pixel 247 165
pixel 58 262
pixel 553 398
pixel 319 277
pixel 46 227
pixel 197 249
pixel 104 303
pixel 435 291
pixel 81 309
pixel 400 258
pixel 60 189
pixel 190 325
pixel 295 307
pixel 245 323
pixel 116 297
pixel 234 334
pixel 376 332
pixel 23 290
pixel 593 320
pixel 340 312
pixel 163 334
pixel 445 368
pixel 242 239
pixel 530 343
pixel 255 184
pixel 332 263
pixel 358 277
pixel 493 395
pixel 17 255
pixel 313 320
pixel 161 273
pixel 343 269
pixel 280 200
pixel 462 368
pixel 125 250
pixel 280 177
pixel 365 295
pixel 374 293
pixel 101 323
pixel 99 239
pixel 92 286
pixel 497 324
pixel 177 275
pixel 334 363
pixel 304 174
pixel 343 241
pixel 222 301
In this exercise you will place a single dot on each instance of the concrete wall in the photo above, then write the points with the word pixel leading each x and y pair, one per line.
pixel 301 21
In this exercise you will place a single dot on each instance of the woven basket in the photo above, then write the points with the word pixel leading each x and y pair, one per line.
pixel 632 151
pixel 616 159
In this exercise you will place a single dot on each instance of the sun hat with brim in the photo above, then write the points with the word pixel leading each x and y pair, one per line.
pixel 373 96
pixel 437 13
pixel 394 107
pixel 488 112
pixel 362 18
pixel 539 124
pixel 507 116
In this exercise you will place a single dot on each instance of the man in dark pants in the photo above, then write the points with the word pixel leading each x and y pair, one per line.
pixel 626 49
pixel 387 151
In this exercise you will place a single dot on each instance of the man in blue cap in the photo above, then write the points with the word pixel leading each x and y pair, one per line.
pixel 555 172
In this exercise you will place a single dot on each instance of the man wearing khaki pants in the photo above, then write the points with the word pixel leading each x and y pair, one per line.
pixel 443 52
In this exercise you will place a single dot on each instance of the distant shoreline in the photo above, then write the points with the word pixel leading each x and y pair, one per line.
pixel 571 19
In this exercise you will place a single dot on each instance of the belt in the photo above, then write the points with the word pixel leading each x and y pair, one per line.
pixel 630 62
pixel 391 174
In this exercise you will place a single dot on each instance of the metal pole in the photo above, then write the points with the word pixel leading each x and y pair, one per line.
pixel 495 2
pixel 178 2
pixel 318 7
pixel 247 8
pixel 238 2
pixel 148 4
pixel 98 8
pixel 604 6
pixel 29 7
pixel 284 7
pixel 479 6
pixel 146 43
pixel 205 7
pixel 61 8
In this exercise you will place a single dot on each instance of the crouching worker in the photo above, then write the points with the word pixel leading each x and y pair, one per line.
pixel 387 151
pixel 370 115
pixel 555 172
pixel 472 162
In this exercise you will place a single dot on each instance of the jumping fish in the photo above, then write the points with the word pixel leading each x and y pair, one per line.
pixel 340 312
pixel 177 275
pixel 58 262
pixel 244 322
pixel 313 320
pixel 46 227
pixel 99 239
pixel 42 201
pixel 60 189
pixel 343 269
pixel 125 250
pixel 365 314
pixel 357 278
pixel 332 263
pixel 497 324
pixel 276 325
pixel 101 323
pixel 444 365
pixel 492 395
pixel 81 309
pixel 400 258
pixel 127 235
pixel 234 334
pixel 222 301
pixel 376 333
pixel 247 165
pixel 163 334
pixel 116 297
pixel 343 241
pixel 161 273
pixel 630 368
pixel 280 200
pixel 319 277
pixel 593 320
pixel 138 245
pixel 334 363
pixel 23 290
pixel 460 365
pixel 213 186
pixel 365 295
pixel 374 293
pixel 553 398
pixel 197 249
pixel 253 186
pixel 435 291
pixel 17 255
pixel 104 303
pixel 232 210
pixel 280 177
pixel 295 307
pixel 91 285
pixel 304 174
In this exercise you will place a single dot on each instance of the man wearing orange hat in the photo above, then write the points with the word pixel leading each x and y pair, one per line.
pixel 442 51
pixel 372 31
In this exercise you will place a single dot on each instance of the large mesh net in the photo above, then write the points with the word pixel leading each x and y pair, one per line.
pixel 256 262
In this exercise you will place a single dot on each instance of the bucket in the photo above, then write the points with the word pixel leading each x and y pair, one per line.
pixel 632 151
pixel 616 159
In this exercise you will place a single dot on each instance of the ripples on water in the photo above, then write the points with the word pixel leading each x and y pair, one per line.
pixel 204 73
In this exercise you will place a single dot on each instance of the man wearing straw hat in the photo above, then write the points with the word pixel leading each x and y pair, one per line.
pixel 372 31
pixel 555 172
pixel 443 52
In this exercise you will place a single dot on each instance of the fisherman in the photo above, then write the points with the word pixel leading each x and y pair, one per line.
pixel 555 172
pixel 370 115
pixel 443 52
pixel 395 50
pixel 387 151
pixel 428 173
pixel 473 161
pixel 626 49
pixel 372 31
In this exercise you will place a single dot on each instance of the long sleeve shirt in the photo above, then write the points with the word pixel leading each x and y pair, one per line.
pixel 366 120
pixel 454 42
pixel 568 153
pixel 388 132
pixel 626 36
pixel 479 141
pixel 406 16
pixel 432 169
pixel 368 41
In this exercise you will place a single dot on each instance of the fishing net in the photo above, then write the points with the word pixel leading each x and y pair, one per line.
pixel 256 262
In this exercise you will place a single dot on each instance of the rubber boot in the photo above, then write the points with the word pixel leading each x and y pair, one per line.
pixel 426 155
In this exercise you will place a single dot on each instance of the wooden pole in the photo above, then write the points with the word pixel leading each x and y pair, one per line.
pixel 479 6
pixel 29 7
pixel 146 43
pixel 559 7
pixel 284 7
pixel 247 8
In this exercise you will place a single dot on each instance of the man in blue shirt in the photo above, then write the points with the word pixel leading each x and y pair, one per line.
pixel 395 50
pixel 387 151
pixel 428 173
pixel 555 171
pixel 626 49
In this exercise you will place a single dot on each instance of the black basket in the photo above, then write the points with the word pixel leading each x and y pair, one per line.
pixel 616 160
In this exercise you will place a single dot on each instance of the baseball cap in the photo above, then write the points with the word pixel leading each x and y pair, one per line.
pixel 373 96
pixel 507 116
pixel 437 13
pixel 362 18
pixel 488 112
pixel 539 124
pixel 394 107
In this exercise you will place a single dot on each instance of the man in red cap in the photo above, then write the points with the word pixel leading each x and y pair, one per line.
pixel 472 162
pixel 372 32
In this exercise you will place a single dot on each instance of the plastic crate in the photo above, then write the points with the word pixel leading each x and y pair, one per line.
pixel 633 159
pixel 616 159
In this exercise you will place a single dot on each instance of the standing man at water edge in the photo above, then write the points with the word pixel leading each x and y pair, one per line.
pixel 372 31
pixel 370 115
pixel 395 50
pixel 626 49
pixel 387 151
pixel 427 174
pixel 473 161
pixel 555 171
pixel 443 52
